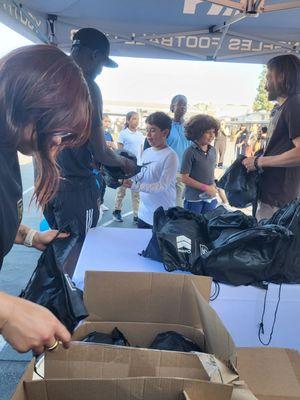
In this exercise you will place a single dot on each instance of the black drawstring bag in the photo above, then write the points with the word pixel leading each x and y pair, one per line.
pixel 51 287
pixel 174 341
pixel 179 237
pixel 114 176
pixel 247 257
pixel 289 218
pixel 241 187
pixel 224 225
pixel 116 338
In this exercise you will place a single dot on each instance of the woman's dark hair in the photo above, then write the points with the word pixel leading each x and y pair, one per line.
pixel 129 115
pixel 199 124
pixel 160 119
pixel 42 86
pixel 288 66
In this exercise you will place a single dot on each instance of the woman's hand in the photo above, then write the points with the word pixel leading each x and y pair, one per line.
pixel 28 326
pixel 42 239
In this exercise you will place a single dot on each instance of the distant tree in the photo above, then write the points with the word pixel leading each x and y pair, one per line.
pixel 261 102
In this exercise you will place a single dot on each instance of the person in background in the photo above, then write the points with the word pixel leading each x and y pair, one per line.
pixel 279 165
pixel 108 132
pixel 44 107
pixel 156 182
pixel 241 141
pixel 132 140
pixel 220 144
pixel 177 140
pixel 110 143
pixel 198 165
pixel 79 195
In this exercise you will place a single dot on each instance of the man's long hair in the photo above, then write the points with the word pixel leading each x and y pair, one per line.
pixel 288 66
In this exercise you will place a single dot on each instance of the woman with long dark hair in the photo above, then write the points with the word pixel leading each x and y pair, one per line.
pixel 44 106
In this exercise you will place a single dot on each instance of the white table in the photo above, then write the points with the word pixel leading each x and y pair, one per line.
pixel 240 308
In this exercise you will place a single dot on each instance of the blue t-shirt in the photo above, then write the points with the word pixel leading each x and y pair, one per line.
pixel 108 137
pixel 177 140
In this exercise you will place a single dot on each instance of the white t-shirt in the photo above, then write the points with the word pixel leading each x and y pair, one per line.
pixel 156 182
pixel 132 141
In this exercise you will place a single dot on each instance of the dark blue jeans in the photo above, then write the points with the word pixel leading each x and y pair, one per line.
pixel 200 207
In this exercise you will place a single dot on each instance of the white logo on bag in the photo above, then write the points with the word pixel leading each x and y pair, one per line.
pixel 184 244
pixel 203 249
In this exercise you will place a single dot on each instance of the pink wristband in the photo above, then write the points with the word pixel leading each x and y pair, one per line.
pixel 203 186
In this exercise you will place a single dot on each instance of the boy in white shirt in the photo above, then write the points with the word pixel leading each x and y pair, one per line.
pixel 132 140
pixel 157 180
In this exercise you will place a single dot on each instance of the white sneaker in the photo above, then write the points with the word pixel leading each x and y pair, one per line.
pixel 104 207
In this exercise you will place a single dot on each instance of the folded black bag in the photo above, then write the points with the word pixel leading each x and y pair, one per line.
pixel 248 257
pixel 116 338
pixel 221 226
pixel 241 187
pixel 52 288
pixel 174 341
pixel 179 237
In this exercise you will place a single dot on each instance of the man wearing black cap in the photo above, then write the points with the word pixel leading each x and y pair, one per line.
pixel 79 195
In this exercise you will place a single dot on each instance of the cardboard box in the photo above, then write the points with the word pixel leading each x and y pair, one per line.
pixel 142 305
pixel 96 361
pixel 143 388
pixel 92 363
pixel 271 373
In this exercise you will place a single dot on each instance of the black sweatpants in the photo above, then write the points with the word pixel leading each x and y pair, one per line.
pixel 81 205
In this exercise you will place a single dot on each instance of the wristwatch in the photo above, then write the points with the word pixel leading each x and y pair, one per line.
pixel 257 167
pixel 29 238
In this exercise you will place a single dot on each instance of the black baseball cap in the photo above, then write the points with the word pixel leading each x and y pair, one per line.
pixel 94 40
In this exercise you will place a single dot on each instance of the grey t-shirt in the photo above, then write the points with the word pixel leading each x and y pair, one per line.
pixel 200 166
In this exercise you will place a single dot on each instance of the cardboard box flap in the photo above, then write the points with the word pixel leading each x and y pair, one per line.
pixel 27 376
pixel 217 339
pixel 270 372
pixel 126 389
pixel 241 391
pixel 96 361
pixel 144 297
pixel 216 369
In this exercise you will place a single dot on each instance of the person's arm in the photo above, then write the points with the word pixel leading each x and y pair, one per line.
pixel 167 175
pixel 287 159
pixel 211 190
pixel 101 152
pixel 40 239
pixel 290 158
pixel 28 326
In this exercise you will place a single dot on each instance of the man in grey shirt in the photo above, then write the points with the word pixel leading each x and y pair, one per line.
pixel 198 165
